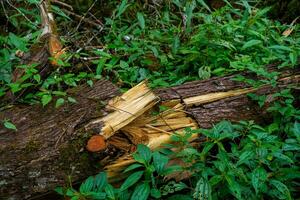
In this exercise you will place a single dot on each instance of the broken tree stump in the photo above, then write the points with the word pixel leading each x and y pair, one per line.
pixel 50 143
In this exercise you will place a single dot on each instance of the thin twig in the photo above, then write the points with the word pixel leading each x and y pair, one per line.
pixel 19 11
pixel 85 15
pixel 62 4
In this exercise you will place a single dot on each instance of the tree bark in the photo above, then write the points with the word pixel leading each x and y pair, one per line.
pixel 49 144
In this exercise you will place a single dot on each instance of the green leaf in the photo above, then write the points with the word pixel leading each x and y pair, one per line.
pixel 100 181
pixel 46 98
pixel 131 180
pixel 59 102
pixel 122 8
pixel 245 156
pixel 109 190
pixel 90 83
pixel 159 161
pixel 280 47
pixel 180 197
pixel 59 190
pixel 202 2
pixel 283 157
pixel 132 167
pixel 296 129
pixel 144 152
pixel 97 195
pixel 141 192
pixel 258 177
pixel 9 125
pixel 202 190
pixel 141 20
pixel 282 188
pixel 72 100
pixel 293 58
pixel 233 186
pixel 251 43
pixel 215 180
pixel 87 185
pixel 155 193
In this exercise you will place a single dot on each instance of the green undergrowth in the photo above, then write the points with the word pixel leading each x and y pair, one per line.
pixel 237 161
pixel 168 44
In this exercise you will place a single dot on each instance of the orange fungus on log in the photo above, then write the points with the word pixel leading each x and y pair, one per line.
pixel 96 143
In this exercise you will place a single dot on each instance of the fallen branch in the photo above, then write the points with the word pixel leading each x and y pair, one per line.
pixel 50 143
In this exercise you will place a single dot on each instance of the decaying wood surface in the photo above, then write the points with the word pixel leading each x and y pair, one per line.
pixel 50 143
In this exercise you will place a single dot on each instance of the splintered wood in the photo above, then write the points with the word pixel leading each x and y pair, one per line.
pixel 126 108
pixel 153 131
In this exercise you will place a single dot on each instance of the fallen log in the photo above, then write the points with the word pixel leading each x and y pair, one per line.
pixel 50 144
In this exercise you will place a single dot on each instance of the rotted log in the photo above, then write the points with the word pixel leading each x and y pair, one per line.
pixel 51 144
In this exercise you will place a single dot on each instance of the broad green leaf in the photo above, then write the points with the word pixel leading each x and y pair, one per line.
pixel 109 190
pixel 245 156
pixel 293 58
pixel 132 167
pixel 159 161
pixel 9 125
pixel 46 98
pixel 100 181
pixel 202 190
pixel 131 180
pixel 282 188
pixel 258 177
pixel 283 157
pixel 59 102
pixel 215 180
pixel 251 43
pixel 233 186
pixel 141 192
pixel 280 47
pixel 155 193
pixel 144 152
pixel 296 129
pixel 97 195
pixel 141 20
pixel 87 185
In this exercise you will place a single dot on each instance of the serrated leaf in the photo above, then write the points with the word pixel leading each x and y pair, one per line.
pixel 131 180
pixel 251 43
pixel 141 192
pixel 141 20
